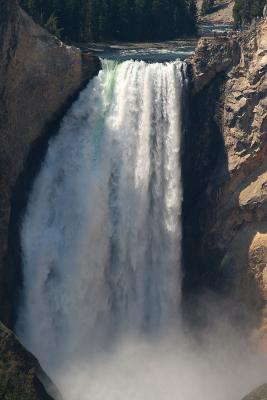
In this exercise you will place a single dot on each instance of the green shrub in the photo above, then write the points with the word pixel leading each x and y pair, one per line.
pixel 52 26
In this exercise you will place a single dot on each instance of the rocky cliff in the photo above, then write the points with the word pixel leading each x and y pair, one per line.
pixel 224 167
pixel 21 377
pixel 225 171
pixel 258 394
pixel 222 12
pixel 39 76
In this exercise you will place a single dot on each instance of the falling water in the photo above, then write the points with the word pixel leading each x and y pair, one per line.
pixel 101 246
pixel 101 236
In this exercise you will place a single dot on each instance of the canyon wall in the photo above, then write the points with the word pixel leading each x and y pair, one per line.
pixel 39 77
pixel 225 171
pixel 21 376
pixel 224 165
pixel 257 394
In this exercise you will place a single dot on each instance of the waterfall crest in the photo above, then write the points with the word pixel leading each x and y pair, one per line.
pixel 102 231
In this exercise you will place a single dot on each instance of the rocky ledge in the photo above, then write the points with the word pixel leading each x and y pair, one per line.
pixel 21 377
pixel 225 172
pixel 39 76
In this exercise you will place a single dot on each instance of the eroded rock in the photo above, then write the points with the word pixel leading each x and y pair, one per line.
pixel 225 222
pixel 39 75
pixel 212 57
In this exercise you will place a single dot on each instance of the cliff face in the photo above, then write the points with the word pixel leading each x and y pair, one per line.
pixel 257 394
pixel 225 173
pixel 222 12
pixel 39 75
pixel 21 377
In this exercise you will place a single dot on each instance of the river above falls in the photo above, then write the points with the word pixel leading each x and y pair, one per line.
pixel 161 51
pixel 145 51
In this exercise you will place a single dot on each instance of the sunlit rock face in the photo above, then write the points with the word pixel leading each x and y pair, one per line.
pixel 229 159
pixel 38 77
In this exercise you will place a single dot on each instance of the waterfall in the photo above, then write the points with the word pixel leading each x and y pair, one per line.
pixel 101 252
pixel 101 237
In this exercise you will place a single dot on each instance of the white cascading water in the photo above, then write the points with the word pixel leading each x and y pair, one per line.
pixel 101 235
pixel 101 242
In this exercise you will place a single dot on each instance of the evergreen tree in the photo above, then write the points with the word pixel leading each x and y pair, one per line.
pixel 86 20
pixel 52 26
pixel 245 10
pixel 143 22
pixel 192 16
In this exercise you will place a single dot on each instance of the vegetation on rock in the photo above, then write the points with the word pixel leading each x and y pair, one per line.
pixel 83 20
pixel 245 10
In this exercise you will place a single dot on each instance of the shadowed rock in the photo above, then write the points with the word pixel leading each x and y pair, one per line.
pixel 225 172
pixel 39 75
pixel 21 376
pixel 258 394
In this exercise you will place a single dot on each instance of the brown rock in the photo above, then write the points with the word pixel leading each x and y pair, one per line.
pixel 222 13
pixel 225 220
pixel 212 57
pixel 38 77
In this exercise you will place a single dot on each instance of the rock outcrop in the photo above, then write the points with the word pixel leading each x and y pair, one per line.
pixel 39 76
pixel 222 12
pixel 257 394
pixel 225 216
pixel 21 377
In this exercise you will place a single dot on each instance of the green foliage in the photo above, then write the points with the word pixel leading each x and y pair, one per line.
pixel 246 10
pixel 52 25
pixel 96 20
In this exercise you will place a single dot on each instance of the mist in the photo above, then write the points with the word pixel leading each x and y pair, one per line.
pixel 215 362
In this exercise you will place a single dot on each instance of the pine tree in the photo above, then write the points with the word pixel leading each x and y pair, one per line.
pixel 86 20
pixel 52 26
pixel 245 10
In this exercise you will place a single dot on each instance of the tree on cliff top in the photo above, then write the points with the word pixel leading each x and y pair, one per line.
pixel 94 20
pixel 245 10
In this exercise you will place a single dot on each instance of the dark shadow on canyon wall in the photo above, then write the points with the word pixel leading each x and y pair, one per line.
pixel 205 172
pixel 204 163
pixel 212 261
